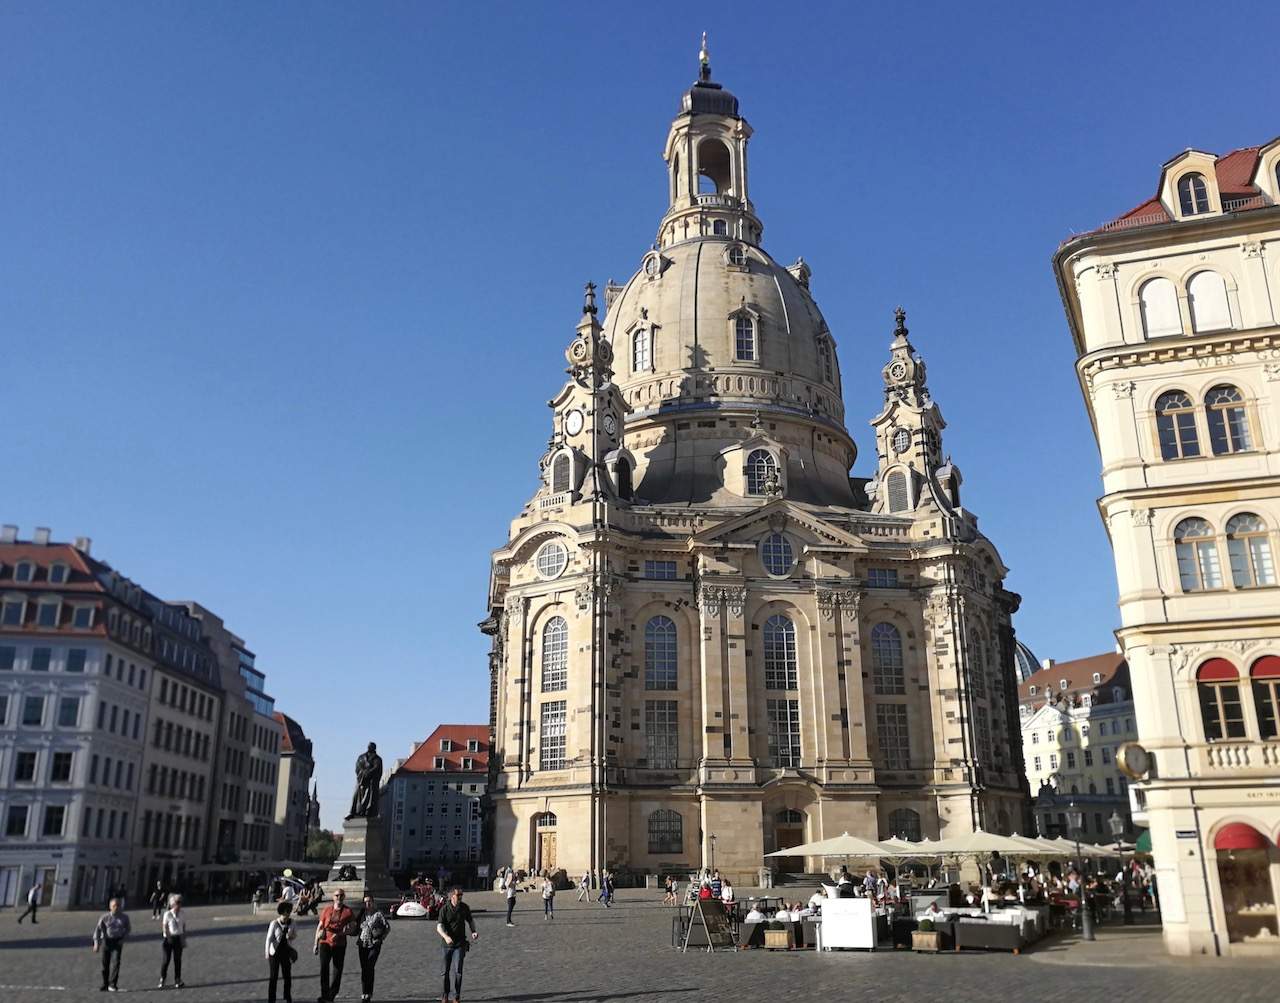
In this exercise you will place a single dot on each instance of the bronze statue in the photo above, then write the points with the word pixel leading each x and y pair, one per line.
pixel 364 802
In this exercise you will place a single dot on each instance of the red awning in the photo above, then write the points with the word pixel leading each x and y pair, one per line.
pixel 1216 670
pixel 1266 667
pixel 1239 836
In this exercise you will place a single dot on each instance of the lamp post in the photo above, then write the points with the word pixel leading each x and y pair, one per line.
pixel 713 853
pixel 1117 830
pixel 1076 816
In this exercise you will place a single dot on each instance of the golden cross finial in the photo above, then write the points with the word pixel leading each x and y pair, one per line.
pixel 704 59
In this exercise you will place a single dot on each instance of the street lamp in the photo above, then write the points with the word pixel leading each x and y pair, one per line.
pixel 713 853
pixel 1076 816
pixel 1117 830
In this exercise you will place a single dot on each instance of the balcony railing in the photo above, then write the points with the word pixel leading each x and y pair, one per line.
pixel 717 201
pixel 1248 202
pixel 1235 757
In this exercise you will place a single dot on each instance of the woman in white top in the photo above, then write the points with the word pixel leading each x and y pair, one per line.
pixel 280 953
pixel 548 897
pixel 173 926
pixel 726 892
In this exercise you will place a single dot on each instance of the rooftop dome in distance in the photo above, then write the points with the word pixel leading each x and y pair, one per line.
pixel 1024 661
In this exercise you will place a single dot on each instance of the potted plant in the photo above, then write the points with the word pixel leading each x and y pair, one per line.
pixel 925 937
pixel 778 936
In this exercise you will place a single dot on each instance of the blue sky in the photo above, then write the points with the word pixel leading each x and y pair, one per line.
pixel 285 287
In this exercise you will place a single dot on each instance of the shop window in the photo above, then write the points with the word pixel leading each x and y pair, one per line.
pixel 1244 876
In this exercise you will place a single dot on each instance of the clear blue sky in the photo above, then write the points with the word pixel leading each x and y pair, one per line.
pixel 285 287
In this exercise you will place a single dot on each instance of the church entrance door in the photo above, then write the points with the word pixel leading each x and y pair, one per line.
pixel 546 851
pixel 788 831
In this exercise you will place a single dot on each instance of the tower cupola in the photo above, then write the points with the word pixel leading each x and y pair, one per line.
pixel 706 155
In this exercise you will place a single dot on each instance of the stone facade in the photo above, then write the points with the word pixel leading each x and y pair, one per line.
pixel 705 632
pixel 1172 309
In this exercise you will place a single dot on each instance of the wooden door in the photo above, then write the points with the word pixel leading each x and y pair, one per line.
pixel 546 851
pixel 787 836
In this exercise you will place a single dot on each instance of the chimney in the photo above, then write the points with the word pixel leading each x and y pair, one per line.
pixel 41 539
pixel 8 534
pixel 1047 663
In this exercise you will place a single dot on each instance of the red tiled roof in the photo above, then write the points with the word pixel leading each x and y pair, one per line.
pixel 1234 172
pixel 1077 673
pixel 423 759
pixel 294 738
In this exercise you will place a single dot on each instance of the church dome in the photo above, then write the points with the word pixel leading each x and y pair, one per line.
pixel 717 321
pixel 707 98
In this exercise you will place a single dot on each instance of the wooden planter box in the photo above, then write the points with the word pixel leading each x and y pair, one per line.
pixel 926 941
pixel 778 940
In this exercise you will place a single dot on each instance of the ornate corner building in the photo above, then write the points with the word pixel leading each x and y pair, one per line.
pixel 1173 311
pixel 709 642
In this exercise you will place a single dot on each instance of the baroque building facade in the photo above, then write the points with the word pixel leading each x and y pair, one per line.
pixel 1173 312
pixel 709 642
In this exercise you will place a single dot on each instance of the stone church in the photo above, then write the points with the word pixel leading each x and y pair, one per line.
pixel 709 641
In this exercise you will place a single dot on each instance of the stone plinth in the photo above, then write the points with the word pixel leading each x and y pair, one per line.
pixel 363 849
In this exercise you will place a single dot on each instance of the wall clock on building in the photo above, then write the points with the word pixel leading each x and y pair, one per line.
pixel 901 440
pixel 573 422
pixel 610 425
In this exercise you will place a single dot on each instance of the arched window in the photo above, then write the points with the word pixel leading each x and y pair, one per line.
pixel 886 660
pixel 560 473
pixel 666 831
pixel 899 499
pixel 1197 550
pixel 1265 677
pixel 1249 551
pixel 904 823
pixel 1176 426
pixel 777 554
pixel 760 464
pixel 1193 194
pixel 640 351
pixel 779 653
pixel 625 489
pixel 555 655
pixel 1228 420
pixel 1218 684
pixel 744 338
pixel 1207 297
pixel 719 228
pixel 1158 300
pixel 1244 865
pixel 660 654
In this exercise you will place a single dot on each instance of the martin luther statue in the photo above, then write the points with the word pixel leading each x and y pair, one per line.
pixel 364 802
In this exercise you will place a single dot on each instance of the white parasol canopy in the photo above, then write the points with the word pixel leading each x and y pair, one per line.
pixel 978 842
pixel 843 845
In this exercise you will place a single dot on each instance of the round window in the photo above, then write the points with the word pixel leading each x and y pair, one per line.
pixel 901 440
pixel 737 255
pixel 777 555
pixel 552 558
pixel 652 265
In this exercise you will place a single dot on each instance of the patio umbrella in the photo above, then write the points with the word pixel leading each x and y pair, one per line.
pixel 978 843
pixel 843 845
pixel 1038 847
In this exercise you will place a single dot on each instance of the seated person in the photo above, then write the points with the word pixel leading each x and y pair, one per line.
pixel 754 915
pixel 934 912
pixel 816 899
pixel 704 892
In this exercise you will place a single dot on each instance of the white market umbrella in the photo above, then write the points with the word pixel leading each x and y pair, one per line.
pixel 843 845
pixel 978 843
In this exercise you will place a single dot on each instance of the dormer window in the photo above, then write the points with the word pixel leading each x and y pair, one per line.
pixel 1097 677
pixel 468 763
pixel 736 255
pixel 439 763
pixel 744 338
pixel 23 572
pixel 47 615
pixel 1193 195
pixel 446 745
pixel 57 573
pixel 1033 690
pixel 760 465
pixel 473 745
pixel 641 353
pixel 1062 684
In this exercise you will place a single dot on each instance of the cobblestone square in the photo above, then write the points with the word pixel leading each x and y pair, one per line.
pixel 590 954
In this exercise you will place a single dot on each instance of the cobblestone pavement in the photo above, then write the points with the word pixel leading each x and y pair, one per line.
pixel 622 954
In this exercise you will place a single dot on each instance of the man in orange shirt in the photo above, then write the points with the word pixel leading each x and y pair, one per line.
pixel 336 921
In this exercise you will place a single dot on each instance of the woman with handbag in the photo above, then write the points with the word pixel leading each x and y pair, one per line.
pixel 374 928
pixel 173 925
pixel 280 953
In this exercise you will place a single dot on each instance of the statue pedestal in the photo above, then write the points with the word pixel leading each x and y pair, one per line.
pixel 363 849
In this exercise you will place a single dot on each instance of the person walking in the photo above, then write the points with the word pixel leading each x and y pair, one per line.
pixel 331 944
pixel 259 897
pixel 455 918
pixel 606 889
pixel 584 887
pixel 33 902
pixel 108 940
pixel 280 953
pixel 548 897
pixel 173 927
pixel 374 927
pixel 509 886
pixel 157 900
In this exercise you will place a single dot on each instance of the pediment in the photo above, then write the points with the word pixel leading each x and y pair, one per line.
pixel 757 441
pixel 1048 714
pixel 521 548
pixel 752 524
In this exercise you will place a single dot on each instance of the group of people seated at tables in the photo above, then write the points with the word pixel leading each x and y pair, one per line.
pixel 709 886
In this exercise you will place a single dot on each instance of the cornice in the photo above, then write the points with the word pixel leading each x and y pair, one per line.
pixel 1186 348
